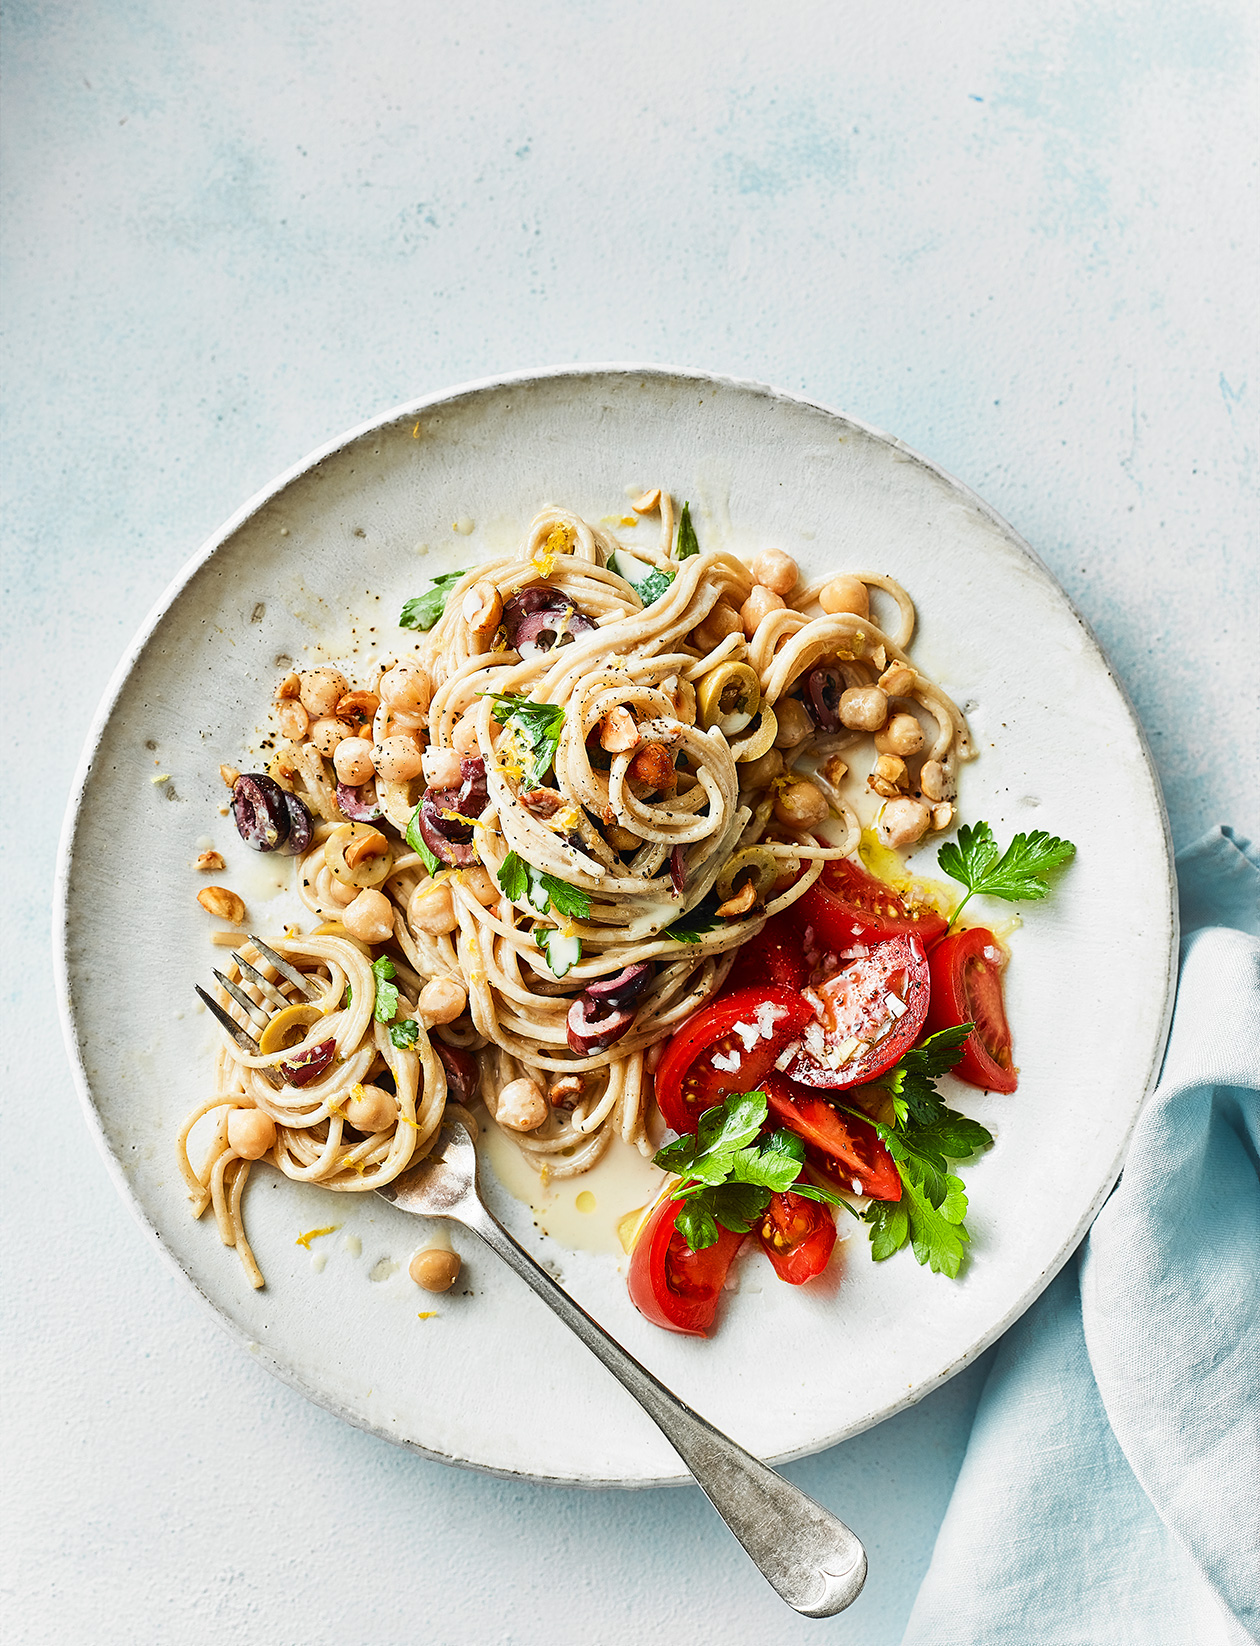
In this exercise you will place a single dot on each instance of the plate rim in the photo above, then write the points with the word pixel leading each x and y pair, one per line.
pixel 117 681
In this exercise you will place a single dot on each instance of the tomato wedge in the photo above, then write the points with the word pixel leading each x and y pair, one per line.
pixel 776 956
pixel 671 1285
pixel 846 905
pixel 967 988
pixel 730 1045
pixel 845 1149
pixel 797 1235
pixel 872 1012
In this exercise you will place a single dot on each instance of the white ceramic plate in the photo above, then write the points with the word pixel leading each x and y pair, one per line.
pixel 335 546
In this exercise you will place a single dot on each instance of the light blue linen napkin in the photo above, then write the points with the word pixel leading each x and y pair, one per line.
pixel 1110 1493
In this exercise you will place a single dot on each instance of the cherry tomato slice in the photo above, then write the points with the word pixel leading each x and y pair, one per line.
pixel 873 1010
pixel 776 955
pixel 846 905
pixel 709 1056
pixel 670 1284
pixel 797 1235
pixel 845 1149
pixel 967 988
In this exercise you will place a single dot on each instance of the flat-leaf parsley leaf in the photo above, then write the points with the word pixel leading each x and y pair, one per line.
pixel 423 611
pixel 386 1008
pixel 1017 875
pixel 538 725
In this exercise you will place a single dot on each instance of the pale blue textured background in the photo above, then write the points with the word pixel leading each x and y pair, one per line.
pixel 1021 236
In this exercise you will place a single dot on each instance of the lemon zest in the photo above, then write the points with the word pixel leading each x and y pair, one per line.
pixel 315 1234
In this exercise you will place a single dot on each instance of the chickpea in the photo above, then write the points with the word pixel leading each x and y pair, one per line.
pixel 352 761
pixel 250 1133
pixel 440 767
pixel 326 733
pixel 522 1105
pixel 795 722
pixel 902 735
pixel 293 720
pixel 370 917
pixel 482 609
pixel 432 909
pixel 902 822
pixel 321 690
pixel 760 774
pixel 618 733
pixel 465 739
pixel 371 1109
pixel 863 708
pixel 328 889
pixel 845 594
pixel 397 759
pixel 801 805
pixel 776 571
pixel 435 1270
pixel 221 903
pixel 897 679
pixel 720 622
pixel 442 1000
pixel 406 687
pixel 934 780
pixel 481 886
pixel 760 603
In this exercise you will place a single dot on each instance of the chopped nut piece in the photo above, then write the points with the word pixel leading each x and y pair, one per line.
pixel 564 1093
pixel 743 900
pixel 618 733
pixel 290 686
pixel 646 503
pixel 889 776
pixel 896 680
pixel 483 608
pixel 942 815
pixel 221 903
pixel 934 780
pixel 209 862
pixel 835 769
pixel 652 766
pixel 229 774
pixel 542 803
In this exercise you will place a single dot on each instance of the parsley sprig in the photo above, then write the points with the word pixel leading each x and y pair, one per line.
pixel 697 922
pixel 520 879
pixel 419 845
pixel 924 1137
pixel 726 1176
pixel 1019 874
pixel 423 611
pixel 537 724
pixel 405 1031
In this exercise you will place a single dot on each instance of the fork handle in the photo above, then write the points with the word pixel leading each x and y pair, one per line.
pixel 804 1552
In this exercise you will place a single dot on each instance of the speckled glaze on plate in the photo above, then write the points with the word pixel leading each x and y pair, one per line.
pixel 320 563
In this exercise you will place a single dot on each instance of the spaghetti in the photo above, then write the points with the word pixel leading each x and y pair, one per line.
pixel 600 775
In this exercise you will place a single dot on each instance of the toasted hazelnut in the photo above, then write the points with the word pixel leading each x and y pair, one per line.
pixel 683 696
pixel 888 777
pixel 293 720
pixel 896 680
pixel 646 503
pixel 288 687
pixel 229 774
pixel 835 770
pixel 618 732
pixel 210 862
pixel 653 767
pixel 742 901
pixel 542 803
pixel 942 815
pixel 482 609
pixel 564 1093
pixel 222 904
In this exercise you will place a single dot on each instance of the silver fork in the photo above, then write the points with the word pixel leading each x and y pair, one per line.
pixel 256 1014
pixel 809 1557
